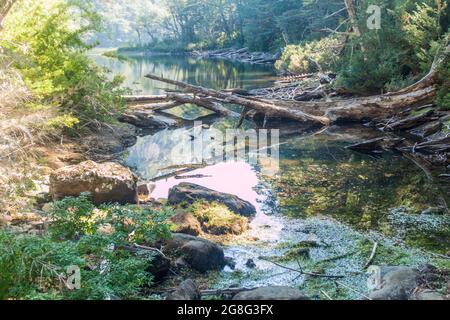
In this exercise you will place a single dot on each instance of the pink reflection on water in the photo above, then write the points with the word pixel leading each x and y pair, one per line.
pixel 236 178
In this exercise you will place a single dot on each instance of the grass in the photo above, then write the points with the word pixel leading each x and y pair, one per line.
pixel 217 219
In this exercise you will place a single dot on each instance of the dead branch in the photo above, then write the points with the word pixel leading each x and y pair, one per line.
pixel 312 274
pixel 372 255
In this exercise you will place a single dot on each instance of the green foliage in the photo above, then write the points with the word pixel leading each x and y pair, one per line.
pixel 217 218
pixel 74 217
pixel 398 54
pixel 311 56
pixel 91 238
pixel 47 36
pixel 443 95
pixel 36 268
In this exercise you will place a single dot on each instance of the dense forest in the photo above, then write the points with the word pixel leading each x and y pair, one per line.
pixel 67 197
pixel 311 34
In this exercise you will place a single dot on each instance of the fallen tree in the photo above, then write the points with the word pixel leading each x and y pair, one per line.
pixel 265 107
pixel 329 112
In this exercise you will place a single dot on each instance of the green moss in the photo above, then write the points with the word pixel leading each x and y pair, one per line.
pixel 421 111
pixel 218 219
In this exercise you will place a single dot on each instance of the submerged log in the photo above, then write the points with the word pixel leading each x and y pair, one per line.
pixel 380 143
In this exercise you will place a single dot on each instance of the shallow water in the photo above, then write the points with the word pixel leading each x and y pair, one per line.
pixel 316 177
pixel 306 187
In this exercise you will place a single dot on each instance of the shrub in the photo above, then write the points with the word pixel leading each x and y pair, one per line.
pixel 443 95
pixel 36 267
pixel 311 56
pixel 47 40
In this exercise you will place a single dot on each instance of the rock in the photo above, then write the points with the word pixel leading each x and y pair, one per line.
pixel 235 227
pixel 187 290
pixel 427 295
pixel 271 293
pixel 147 119
pixel 107 182
pixel 189 193
pixel 250 264
pixel 230 262
pixel 43 198
pixel 186 223
pixel 200 254
pixel 159 267
pixel 5 220
pixel 127 134
pixel 397 283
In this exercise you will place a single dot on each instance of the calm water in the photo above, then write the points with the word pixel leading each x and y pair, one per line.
pixel 215 74
pixel 318 190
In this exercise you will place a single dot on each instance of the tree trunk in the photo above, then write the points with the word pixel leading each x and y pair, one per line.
pixel 352 16
pixel 268 108
pixel 5 7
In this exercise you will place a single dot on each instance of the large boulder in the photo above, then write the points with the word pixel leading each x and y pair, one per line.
pixel 397 283
pixel 198 253
pixel 107 182
pixel 271 293
pixel 187 290
pixel 186 223
pixel 189 193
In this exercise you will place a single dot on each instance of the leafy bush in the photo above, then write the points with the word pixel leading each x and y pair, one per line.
pixel 310 57
pixel 36 268
pixel 400 53
pixel 93 239
pixel 443 95
pixel 47 40
pixel 73 217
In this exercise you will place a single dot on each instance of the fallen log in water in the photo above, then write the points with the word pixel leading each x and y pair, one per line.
pixel 202 102
pixel 144 98
pixel 410 122
pixel 327 112
pixel 261 106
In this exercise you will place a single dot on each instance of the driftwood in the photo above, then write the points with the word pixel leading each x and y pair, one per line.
pixel 242 55
pixel 410 122
pixel 202 102
pixel 145 98
pixel 380 143
pixel 372 255
pixel 262 107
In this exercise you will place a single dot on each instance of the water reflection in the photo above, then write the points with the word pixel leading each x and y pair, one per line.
pixel 317 176
pixel 215 74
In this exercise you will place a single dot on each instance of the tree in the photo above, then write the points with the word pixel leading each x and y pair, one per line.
pixel 5 7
